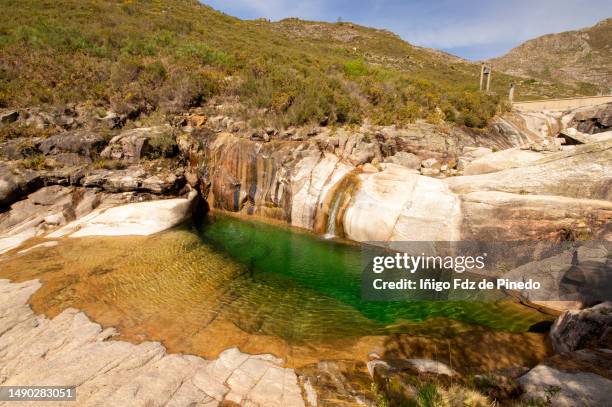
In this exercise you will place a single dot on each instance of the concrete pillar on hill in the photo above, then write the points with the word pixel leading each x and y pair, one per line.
pixel 482 67
pixel 485 77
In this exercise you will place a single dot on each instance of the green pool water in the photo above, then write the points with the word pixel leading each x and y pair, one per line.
pixel 300 286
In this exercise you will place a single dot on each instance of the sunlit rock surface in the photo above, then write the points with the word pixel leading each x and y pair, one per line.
pixel 585 173
pixel 396 204
pixel 143 218
pixel 580 378
pixel 501 160
pixel 341 183
pixel 71 350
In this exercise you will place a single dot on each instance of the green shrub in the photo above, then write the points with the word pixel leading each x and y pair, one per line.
pixel 356 67
pixel 163 146
pixel 35 162
pixel 17 130
pixel 428 396
pixel 109 164
pixel 204 54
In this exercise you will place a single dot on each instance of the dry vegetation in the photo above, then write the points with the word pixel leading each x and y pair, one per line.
pixel 143 56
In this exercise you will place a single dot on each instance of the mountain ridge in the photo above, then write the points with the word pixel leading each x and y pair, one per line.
pixel 582 58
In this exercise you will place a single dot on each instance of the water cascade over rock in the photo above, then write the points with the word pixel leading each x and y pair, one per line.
pixel 310 186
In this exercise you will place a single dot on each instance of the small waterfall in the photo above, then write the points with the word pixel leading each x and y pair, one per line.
pixel 330 229
pixel 341 196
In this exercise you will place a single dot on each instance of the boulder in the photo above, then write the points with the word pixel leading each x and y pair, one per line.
pixel 135 178
pixel 430 163
pixel 19 148
pixel 16 183
pixel 501 160
pixel 132 145
pixel 397 204
pixel 196 121
pixel 40 212
pixel 142 218
pixel 556 386
pixel 10 116
pixel 84 144
pixel 572 136
pixel 111 120
pixel 587 328
pixel 569 277
pixel 405 159
pixel 593 119
pixel 363 153
pixel 584 172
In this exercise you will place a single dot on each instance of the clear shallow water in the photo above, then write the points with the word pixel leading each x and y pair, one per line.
pixel 238 282
pixel 314 286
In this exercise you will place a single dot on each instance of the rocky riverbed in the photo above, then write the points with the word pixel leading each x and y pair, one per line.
pixel 70 350
pixel 526 176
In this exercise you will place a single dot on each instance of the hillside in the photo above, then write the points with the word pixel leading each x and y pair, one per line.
pixel 582 58
pixel 145 57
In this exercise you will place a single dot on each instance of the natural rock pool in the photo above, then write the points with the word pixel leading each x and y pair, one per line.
pixel 262 287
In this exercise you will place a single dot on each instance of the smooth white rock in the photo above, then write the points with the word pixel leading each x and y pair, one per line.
pixel 142 218
pixel 396 204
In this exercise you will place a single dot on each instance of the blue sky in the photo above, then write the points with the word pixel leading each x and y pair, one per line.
pixel 469 28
